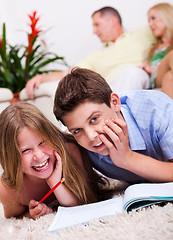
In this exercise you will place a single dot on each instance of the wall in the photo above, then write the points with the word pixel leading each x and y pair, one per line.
pixel 68 23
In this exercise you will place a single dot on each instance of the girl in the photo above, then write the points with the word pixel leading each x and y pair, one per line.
pixel 160 18
pixel 34 156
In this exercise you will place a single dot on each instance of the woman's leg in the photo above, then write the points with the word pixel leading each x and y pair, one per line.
pixel 164 78
pixel 167 84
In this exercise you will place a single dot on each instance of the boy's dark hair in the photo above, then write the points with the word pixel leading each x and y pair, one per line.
pixel 108 11
pixel 77 87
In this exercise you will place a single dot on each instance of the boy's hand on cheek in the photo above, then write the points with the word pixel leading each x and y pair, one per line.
pixel 57 172
pixel 117 141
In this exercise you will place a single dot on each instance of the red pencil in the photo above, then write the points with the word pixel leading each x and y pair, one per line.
pixel 61 181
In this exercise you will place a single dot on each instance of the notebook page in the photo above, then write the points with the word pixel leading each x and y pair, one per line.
pixel 148 190
pixel 69 216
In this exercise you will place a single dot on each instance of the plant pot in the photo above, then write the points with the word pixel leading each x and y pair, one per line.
pixel 15 98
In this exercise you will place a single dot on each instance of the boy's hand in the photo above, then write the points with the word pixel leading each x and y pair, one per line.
pixel 57 173
pixel 117 141
pixel 37 209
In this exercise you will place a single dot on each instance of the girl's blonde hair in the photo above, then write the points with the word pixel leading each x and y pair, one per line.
pixel 22 114
pixel 165 11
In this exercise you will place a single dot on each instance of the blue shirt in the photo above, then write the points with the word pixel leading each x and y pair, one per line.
pixel 149 118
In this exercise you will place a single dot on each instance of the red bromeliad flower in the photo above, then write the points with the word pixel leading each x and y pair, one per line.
pixel 34 31
pixel 19 63
pixel 1 43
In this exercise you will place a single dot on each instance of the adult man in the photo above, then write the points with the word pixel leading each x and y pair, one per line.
pixel 120 51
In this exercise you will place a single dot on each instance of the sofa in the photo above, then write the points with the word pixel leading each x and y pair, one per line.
pixel 44 97
pixel 5 96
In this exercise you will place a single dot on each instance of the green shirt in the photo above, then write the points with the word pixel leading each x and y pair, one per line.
pixel 155 61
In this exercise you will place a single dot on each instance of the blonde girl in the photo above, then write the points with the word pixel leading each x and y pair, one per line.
pixel 34 156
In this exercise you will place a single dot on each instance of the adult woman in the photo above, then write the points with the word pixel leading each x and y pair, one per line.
pixel 160 19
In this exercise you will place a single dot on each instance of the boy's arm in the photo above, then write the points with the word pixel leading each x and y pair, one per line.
pixel 123 157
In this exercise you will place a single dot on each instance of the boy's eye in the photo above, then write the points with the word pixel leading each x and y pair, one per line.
pixel 76 131
pixel 94 119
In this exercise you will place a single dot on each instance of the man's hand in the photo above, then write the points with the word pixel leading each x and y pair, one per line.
pixel 40 78
pixel 33 83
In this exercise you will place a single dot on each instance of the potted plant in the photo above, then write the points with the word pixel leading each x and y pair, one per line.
pixel 20 63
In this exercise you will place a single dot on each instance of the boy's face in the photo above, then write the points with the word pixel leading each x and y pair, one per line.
pixel 86 123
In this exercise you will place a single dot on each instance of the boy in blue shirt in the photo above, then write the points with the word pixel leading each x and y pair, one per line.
pixel 128 138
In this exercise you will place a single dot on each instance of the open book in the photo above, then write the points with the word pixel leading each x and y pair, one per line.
pixel 135 197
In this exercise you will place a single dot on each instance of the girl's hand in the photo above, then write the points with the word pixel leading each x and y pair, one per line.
pixel 37 209
pixel 117 141
pixel 64 196
pixel 57 173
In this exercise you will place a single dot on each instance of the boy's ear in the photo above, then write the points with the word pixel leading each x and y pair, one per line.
pixel 115 102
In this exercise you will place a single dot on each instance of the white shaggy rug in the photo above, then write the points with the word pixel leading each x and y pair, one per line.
pixel 153 223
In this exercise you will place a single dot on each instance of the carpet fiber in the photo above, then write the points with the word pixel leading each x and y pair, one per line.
pixel 155 223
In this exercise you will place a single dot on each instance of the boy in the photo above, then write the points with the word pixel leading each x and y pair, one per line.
pixel 128 138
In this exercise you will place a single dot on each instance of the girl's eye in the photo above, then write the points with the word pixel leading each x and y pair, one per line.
pixel 42 143
pixel 25 150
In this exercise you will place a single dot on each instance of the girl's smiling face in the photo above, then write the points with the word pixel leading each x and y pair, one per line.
pixel 37 158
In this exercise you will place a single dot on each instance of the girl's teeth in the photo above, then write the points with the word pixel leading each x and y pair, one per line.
pixel 41 166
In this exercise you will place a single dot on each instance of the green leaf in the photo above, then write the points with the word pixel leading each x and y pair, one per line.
pixel 17 66
pixel 4 41
pixel 30 57
pixel 3 48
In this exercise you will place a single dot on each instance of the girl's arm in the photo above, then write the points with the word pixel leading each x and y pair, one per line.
pixel 64 196
pixel 13 208
pixel 10 201
pixel 122 156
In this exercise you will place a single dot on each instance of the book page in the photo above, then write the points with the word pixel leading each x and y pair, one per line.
pixel 69 216
pixel 148 191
